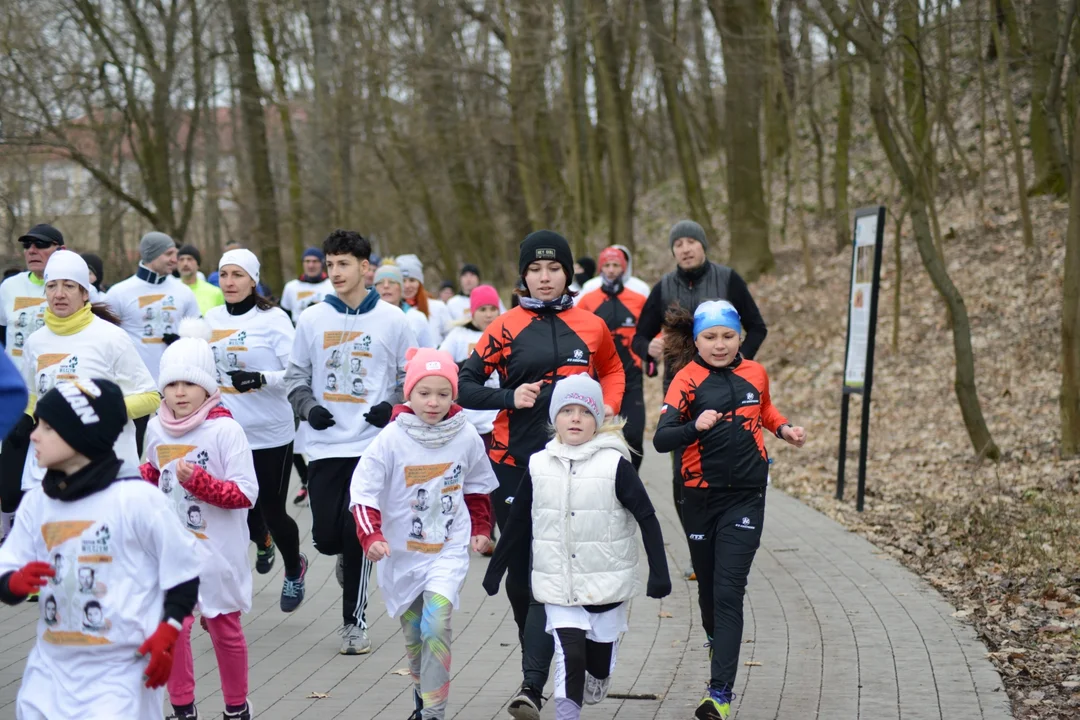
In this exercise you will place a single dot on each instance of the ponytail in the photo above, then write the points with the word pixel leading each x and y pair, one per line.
pixel 679 347
pixel 102 311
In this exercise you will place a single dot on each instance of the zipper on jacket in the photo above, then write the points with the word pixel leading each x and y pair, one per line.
pixel 567 539
pixel 554 347
pixel 731 425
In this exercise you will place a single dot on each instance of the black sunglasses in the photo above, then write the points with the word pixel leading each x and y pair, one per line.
pixel 39 244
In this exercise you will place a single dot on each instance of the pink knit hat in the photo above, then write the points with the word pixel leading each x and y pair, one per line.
pixel 483 295
pixel 425 362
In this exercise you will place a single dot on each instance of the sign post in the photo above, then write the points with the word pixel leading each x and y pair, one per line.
pixel 861 331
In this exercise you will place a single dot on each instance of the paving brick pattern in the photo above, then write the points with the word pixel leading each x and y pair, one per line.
pixel 834 629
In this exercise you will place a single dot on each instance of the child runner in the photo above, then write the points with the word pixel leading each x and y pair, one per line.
pixel 117 573
pixel 344 376
pixel 461 341
pixel 421 544
pixel 198 455
pixel 580 502
pixel 712 418
pixel 251 340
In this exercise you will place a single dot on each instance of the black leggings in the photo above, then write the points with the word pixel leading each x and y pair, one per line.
pixel 633 409
pixel 272 469
pixel 579 655
pixel 537 646
pixel 12 458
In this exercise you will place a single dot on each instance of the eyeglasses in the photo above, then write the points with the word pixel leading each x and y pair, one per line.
pixel 39 244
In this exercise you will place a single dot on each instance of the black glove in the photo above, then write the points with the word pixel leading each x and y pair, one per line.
pixel 170 338
pixel 244 380
pixel 379 416
pixel 658 589
pixel 320 418
pixel 19 437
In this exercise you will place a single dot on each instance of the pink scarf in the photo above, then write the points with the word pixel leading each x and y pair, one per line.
pixel 178 427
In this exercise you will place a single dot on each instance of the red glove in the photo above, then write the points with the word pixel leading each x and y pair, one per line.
pixel 29 579
pixel 160 646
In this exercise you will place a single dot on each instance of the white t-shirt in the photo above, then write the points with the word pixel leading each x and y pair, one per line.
pixel 440 320
pixel 460 343
pixel 420 493
pixel 148 311
pixel 115 552
pixel 298 296
pixel 421 328
pixel 356 362
pixel 22 311
pixel 219 447
pixel 459 307
pixel 257 341
pixel 101 350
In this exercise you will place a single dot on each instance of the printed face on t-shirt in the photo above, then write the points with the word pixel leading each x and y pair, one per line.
pixel 50 610
pixel 447 504
pixel 86 579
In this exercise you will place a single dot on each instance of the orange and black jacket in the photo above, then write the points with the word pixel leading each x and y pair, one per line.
pixel 523 346
pixel 619 308
pixel 731 454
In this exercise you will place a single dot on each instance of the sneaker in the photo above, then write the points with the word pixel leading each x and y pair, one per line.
pixel 301 496
pixel 354 641
pixel 339 571
pixel 292 590
pixel 185 714
pixel 690 575
pixel 33 597
pixel 596 689
pixel 526 704
pixel 418 704
pixel 264 556
pixel 716 705
pixel 244 714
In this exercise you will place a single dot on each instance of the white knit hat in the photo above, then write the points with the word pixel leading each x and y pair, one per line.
pixel 411 267
pixel 242 258
pixel 67 265
pixel 578 389
pixel 189 358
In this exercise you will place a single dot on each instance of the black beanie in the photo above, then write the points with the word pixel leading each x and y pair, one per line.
pixel 192 251
pixel 89 414
pixel 94 262
pixel 546 245
pixel 470 268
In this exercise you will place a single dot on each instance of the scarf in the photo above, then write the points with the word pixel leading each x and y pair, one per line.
pixel 73 323
pixel 563 302
pixel 145 273
pixel 430 436
pixel 241 307
pixel 95 477
pixel 313 280
pixel 611 287
pixel 178 427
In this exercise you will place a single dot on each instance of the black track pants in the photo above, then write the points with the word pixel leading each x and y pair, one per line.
pixel 273 470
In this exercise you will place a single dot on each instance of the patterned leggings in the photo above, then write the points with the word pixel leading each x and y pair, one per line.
pixel 426 625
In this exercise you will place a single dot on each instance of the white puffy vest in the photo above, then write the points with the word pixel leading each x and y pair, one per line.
pixel 584 548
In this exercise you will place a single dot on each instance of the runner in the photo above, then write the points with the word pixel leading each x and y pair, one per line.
pixel 579 504
pixel 124 573
pixel 97 274
pixel 251 341
pixel 311 287
pixel 345 374
pixel 711 419
pixel 469 279
pixel 188 260
pixel 530 347
pixel 421 572
pixel 446 290
pixel 628 280
pixel 389 282
pixel 22 312
pixel 416 296
pixel 82 341
pixel 619 307
pixel 198 456
pixel 462 340
pixel 151 304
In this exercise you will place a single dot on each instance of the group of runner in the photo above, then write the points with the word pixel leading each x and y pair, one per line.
pixel 417 428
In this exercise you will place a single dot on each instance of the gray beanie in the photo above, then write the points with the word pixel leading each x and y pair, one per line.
pixel 577 389
pixel 688 229
pixel 153 244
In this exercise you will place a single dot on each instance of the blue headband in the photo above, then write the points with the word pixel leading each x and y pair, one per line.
pixel 716 313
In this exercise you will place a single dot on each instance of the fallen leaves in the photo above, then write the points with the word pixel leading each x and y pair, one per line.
pixel 664 614
pixel 317 695
pixel 404 672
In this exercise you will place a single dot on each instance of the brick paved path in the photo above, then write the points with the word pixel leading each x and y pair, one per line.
pixel 834 629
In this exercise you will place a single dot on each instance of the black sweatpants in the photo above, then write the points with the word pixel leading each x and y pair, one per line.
pixel 333 531
pixel 272 470
pixel 537 646
pixel 633 409
pixel 723 528
pixel 12 459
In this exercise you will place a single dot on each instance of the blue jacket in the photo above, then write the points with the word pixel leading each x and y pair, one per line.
pixel 13 395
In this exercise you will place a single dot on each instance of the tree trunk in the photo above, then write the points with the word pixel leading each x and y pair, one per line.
pixel 684 147
pixel 841 167
pixel 1070 314
pixel 578 145
pixel 266 222
pixel 1044 36
pixel 1014 133
pixel 704 78
pixel 1059 154
pixel 321 181
pixel 741 27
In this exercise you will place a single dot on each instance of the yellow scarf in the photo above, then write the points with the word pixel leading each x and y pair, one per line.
pixel 73 323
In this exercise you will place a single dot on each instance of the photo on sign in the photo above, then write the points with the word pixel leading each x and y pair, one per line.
pixel 864 265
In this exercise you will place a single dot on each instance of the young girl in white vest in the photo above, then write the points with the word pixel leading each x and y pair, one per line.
pixel 421 497
pixel 580 503
pixel 198 455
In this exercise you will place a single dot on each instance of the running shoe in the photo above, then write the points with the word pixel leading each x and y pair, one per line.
pixel 595 688
pixel 716 705
pixel 418 704
pixel 339 571
pixel 526 704
pixel 354 640
pixel 690 575
pixel 264 556
pixel 188 713
pixel 292 590
pixel 301 496
pixel 244 714
pixel 33 597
